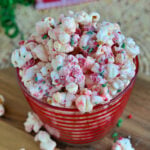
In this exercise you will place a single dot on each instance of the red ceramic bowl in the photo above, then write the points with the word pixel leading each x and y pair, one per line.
pixel 71 126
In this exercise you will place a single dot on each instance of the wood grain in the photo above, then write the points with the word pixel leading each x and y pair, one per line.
pixel 14 137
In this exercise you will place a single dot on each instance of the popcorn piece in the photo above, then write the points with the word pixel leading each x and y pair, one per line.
pixel 127 70
pixel 68 25
pixel 45 70
pixel 122 144
pixel 95 17
pixel 84 104
pixel 84 40
pixel 98 100
pixel 70 98
pixel 45 25
pixel 72 88
pixel 118 84
pixel 52 34
pixel 57 46
pixel 20 57
pixel 95 68
pixel 54 77
pixel 2 109
pixel 83 18
pixel 113 71
pixel 105 34
pixel 64 38
pixel 40 52
pixel 58 61
pixel 121 58
pixel 33 123
pixel 59 98
pixel 131 48
pixel 46 143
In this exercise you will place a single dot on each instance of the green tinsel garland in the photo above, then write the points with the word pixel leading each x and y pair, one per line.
pixel 7 16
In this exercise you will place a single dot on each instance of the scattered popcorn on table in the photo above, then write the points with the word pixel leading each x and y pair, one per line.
pixel 64 58
pixel 122 144
pixel 2 109
pixel 46 143
pixel 32 123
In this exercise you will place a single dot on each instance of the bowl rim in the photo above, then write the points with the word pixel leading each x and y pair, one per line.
pixel 24 89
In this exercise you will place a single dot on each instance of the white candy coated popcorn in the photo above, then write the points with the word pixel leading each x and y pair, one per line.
pixel 20 57
pixel 97 99
pixel 66 48
pixel 59 98
pixel 50 45
pixel 105 33
pixel 50 21
pixel 83 18
pixel 72 88
pixel 57 46
pixel 68 24
pixel 127 70
pixel 95 68
pixel 84 104
pixel 118 84
pixel 123 144
pixel 84 40
pixel 45 25
pixel 121 58
pixel 131 48
pixel 112 91
pixel 70 98
pixel 32 123
pixel 2 109
pixel 58 61
pixel 95 17
pixel 52 34
pixel 54 77
pixel 45 70
pixel 64 37
pixel 99 50
pixel 41 27
pixel 112 71
pixel 40 52
pixel 46 143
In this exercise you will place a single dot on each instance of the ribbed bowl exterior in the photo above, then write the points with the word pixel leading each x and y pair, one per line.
pixel 73 127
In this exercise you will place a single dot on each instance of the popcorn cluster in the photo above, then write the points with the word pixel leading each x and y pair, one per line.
pixel 32 123
pixel 122 144
pixel 46 143
pixel 77 61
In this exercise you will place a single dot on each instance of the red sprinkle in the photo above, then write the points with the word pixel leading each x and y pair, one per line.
pixel 78 31
pixel 21 42
pixel 120 138
pixel 130 116
pixel 118 75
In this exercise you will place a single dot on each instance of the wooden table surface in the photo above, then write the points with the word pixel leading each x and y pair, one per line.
pixel 13 136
